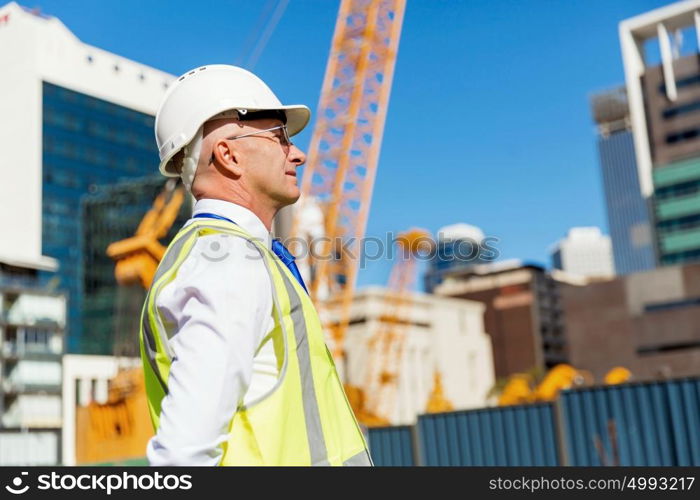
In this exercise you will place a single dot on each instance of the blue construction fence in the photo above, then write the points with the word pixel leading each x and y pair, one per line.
pixel 634 424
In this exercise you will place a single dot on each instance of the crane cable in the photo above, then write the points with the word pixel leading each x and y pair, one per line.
pixel 270 17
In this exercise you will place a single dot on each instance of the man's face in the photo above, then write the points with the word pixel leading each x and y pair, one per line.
pixel 270 164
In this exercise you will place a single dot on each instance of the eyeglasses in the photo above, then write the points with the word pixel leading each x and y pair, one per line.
pixel 282 138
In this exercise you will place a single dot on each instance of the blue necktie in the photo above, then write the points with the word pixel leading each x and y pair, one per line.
pixel 280 250
pixel 288 260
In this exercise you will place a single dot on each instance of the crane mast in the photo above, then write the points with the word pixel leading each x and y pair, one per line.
pixel 375 401
pixel 345 146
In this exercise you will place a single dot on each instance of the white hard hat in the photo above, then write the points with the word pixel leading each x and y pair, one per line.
pixel 205 92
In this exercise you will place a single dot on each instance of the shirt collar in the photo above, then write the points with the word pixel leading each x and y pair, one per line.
pixel 240 215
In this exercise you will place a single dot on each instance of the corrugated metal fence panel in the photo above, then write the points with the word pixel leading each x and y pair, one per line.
pixel 505 436
pixel 392 446
pixel 35 447
pixel 643 424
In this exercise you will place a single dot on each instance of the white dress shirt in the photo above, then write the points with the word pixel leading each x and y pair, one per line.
pixel 220 308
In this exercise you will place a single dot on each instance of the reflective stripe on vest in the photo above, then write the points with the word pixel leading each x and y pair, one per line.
pixel 305 419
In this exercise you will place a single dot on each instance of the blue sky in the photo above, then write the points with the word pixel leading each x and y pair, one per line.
pixel 488 122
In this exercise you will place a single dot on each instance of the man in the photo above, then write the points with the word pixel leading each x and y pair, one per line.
pixel 237 372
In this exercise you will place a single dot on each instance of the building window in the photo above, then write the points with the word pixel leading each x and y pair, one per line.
pixel 680 224
pixel 682 189
pixel 681 83
pixel 680 110
pixel 684 135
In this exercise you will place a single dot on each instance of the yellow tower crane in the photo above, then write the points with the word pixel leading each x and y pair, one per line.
pixel 137 257
pixel 375 401
pixel 345 145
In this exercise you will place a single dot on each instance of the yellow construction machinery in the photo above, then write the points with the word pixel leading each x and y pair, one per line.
pixel 521 388
pixel 617 375
pixel 560 377
pixel 118 429
pixel 518 390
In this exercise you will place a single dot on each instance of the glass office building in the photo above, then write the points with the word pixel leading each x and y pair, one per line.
pixel 629 219
pixel 87 142
pixel 628 211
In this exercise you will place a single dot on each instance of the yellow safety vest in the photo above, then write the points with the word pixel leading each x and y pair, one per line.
pixel 306 418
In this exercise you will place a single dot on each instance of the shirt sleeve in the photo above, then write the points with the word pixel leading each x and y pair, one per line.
pixel 218 307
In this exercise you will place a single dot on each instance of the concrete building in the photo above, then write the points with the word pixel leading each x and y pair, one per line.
pixel 664 105
pixel 458 246
pixel 647 322
pixel 584 252
pixel 32 322
pixel 522 314
pixel 629 214
pixel 74 117
pixel 440 335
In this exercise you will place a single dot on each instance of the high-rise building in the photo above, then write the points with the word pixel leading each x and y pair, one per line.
pixel 664 106
pixel 74 117
pixel 628 212
pixel 584 252
pixel 458 246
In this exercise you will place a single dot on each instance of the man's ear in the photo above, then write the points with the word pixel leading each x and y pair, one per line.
pixel 227 158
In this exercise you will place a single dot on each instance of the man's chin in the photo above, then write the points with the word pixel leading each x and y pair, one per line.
pixel 289 198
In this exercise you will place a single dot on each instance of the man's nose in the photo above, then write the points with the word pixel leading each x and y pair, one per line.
pixel 296 156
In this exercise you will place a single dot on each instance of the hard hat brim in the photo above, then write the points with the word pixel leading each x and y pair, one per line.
pixel 298 117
